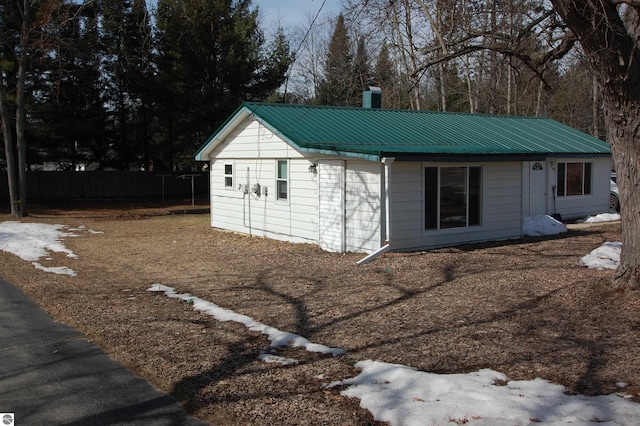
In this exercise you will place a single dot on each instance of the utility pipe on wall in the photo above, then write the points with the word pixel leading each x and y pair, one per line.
pixel 387 203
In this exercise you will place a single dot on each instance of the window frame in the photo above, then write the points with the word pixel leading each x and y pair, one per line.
pixel 563 174
pixel 473 197
pixel 228 176
pixel 282 180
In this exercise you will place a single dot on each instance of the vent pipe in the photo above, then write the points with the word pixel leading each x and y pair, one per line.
pixel 372 98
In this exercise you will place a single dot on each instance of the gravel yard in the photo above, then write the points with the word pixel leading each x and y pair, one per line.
pixel 524 308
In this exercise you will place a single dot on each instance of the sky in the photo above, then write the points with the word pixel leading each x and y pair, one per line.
pixel 289 12
pixel 294 12
pixel 394 393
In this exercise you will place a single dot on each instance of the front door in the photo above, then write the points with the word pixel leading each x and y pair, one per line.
pixel 537 188
pixel 331 221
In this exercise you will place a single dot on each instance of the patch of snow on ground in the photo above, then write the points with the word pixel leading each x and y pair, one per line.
pixel 603 217
pixel 33 241
pixel 607 256
pixel 401 395
pixel 60 270
pixel 278 338
pixel 536 226
pixel 277 359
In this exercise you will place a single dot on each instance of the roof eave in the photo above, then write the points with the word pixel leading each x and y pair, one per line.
pixel 222 132
pixel 488 157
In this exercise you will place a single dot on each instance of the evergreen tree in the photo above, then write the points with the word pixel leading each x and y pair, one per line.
pixel 361 66
pixel 68 117
pixel 20 33
pixel 212 56
pixel 338 87
pixel 126 62
pixel 394 93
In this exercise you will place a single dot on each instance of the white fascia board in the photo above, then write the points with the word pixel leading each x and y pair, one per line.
pixel 221 134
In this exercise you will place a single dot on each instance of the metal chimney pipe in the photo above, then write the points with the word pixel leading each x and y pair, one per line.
pixel 372 98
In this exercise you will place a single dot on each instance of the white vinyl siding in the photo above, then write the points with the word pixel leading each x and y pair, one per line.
pixel 251 140
pixel 261 214
pixel 500 212
pixel 255 152
pixel 331 210
pixel 363 206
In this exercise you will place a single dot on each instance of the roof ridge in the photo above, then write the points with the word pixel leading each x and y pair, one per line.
pixel 398 110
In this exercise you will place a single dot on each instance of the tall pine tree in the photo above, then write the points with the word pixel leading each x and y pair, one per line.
pixel 68 117
pixel 127 69
pixel 212 56
pixel 338 87
pixel 361 65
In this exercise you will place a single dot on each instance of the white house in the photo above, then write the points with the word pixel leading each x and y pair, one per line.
pixel 370 180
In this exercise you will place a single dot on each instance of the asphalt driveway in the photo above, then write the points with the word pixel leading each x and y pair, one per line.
pixel 51 375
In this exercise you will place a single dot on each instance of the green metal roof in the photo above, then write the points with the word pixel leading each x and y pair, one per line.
pixel 374 133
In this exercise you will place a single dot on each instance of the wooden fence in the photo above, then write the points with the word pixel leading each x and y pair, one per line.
pixel 112 184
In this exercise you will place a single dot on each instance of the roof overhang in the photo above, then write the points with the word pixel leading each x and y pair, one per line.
pixel 471 158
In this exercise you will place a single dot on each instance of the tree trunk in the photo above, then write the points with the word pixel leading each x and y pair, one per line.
pixel 594 109
pixel 610 45
pixel 9 149
pixel 622 118
pixel 21 140
pixel 470 91
pixel 408 54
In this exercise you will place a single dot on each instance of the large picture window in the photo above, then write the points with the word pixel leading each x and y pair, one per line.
pixel 452 197
pixel 574 179
pixel 282 180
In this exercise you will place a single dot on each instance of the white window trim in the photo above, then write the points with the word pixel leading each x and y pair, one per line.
pixel 568 161
pixel 225 175
pixel 288 180
pixel 458 230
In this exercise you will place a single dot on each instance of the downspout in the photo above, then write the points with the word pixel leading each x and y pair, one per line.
pixel 387 203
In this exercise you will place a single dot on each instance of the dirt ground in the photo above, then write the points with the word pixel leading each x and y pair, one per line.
pixel 524 308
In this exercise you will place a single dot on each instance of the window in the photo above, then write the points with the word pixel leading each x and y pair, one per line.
pixel 574 179
pixel 452 197
pixel 228 175
pixel 282 180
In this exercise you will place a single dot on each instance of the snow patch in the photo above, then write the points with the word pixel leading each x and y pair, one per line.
pixel 603 217
pixel 536 226
pixel 31 241
pixel 277 337
pixel 401 395
pixel 607 256
pixel 59 270
pixel 34 241
pixel 270 358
